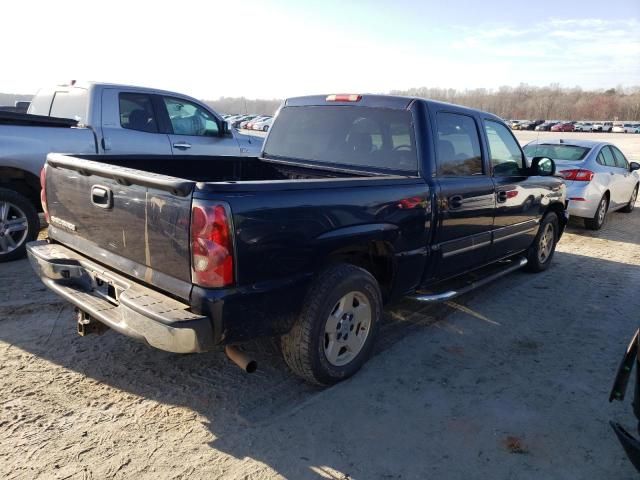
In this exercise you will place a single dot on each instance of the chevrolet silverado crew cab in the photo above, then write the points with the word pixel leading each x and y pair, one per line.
pixel 103 119
pixel 354 201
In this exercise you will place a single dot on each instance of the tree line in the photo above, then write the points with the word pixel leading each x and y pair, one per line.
pixel 547 103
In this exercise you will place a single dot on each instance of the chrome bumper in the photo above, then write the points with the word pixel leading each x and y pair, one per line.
pixel 120 303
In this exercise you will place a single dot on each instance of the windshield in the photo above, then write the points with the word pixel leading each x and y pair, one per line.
pixel 556 152
pixel 345 136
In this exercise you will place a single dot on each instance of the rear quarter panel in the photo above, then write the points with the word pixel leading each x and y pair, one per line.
pixel 286 233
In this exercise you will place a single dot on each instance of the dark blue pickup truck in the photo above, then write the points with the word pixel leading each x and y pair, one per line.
pixel 355 200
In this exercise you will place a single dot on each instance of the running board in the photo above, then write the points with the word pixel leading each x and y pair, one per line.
pixel 449 294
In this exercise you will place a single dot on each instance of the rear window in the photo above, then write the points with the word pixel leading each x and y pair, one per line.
pixel 345 135
pixel 72 104
pixel 557 152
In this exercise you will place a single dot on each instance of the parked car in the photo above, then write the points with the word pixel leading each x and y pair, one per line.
pixel 249 125
pixel 515 124
pixel 243 123
pixel 563 127
pixel 263 125
pixel 599 178
pixel 103 119
pixel 602 127
pixel 345 209
pixel 545 127
pixel 583 127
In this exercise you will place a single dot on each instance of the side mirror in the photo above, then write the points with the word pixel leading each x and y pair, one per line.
pixel 224 128
pixel 543 166
pixel 634 166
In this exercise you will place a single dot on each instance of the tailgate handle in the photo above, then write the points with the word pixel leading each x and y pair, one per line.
pixel 101 196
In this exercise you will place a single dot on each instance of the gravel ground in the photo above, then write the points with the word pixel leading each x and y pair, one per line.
pixel 510 381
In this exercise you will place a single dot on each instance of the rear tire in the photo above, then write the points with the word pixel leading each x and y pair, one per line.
pixel 19 224
pixel 541 252
pixel 628 208
pixel 336 329
pixel 600 217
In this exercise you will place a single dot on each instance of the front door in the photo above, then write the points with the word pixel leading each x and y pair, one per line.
pixel 625 180
pixel 519 199
pixel 466 197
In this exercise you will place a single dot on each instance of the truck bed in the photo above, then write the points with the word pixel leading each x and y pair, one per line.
pixel 219 168
pixel 13 118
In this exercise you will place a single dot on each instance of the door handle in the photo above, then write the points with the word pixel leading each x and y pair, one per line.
pixel 101 196
pixel 455 201
pixel 182 145
pixel 502 196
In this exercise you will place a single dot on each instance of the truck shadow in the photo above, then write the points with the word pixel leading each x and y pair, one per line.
pixel 240 410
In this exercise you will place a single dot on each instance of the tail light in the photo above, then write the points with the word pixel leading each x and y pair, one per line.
pixel 577 174
pixel 43 192
pixel 211 245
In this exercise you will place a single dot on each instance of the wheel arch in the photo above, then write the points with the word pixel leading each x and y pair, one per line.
pixel 23 182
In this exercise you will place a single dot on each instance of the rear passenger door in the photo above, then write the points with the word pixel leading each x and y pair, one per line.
pixel 466 198
pixel 130 124
pixel 195 130
pixel 518 196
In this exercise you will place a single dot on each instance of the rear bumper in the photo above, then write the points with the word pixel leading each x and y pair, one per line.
pixel 591 196
pixel 120 303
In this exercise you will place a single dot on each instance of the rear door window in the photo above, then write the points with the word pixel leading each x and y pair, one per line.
pixel 458 145
pixel 621 161
pixel 606 158
pixel 136 112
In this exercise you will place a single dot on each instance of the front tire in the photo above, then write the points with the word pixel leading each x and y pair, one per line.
pixel 541 252
pixel 336 329
pixel 628 208
pixel 19 224
pixel 597 222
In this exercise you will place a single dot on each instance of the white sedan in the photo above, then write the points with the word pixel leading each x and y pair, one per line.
pixel 583 127
pixel 263 125
pixel 599 178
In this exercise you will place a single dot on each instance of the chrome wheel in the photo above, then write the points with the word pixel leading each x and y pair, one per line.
pixel 14 227
pixel 547 239
pixel 602 211
pixel 347 328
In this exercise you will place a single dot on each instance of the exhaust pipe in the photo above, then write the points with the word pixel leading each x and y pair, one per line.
pixel 238 357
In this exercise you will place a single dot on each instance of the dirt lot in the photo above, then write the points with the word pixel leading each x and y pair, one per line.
pixel 510 381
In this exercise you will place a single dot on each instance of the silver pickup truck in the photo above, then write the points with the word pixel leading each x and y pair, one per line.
pixel 98 118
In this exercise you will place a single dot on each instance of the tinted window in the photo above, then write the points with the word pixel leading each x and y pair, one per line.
pixel 347 135
pixel 505 153
pixel 190 119
pixel 605 157
pixel 71 104
pixel 458 145
pixel 136 112
pixel 621 162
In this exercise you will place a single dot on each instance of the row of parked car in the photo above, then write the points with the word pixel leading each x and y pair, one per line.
pixel 260 123
pixel 574 126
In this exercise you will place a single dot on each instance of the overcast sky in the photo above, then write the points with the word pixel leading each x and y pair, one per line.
pixel 274 49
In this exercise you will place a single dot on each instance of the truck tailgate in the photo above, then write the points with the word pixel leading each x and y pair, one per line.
pixel 137 222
